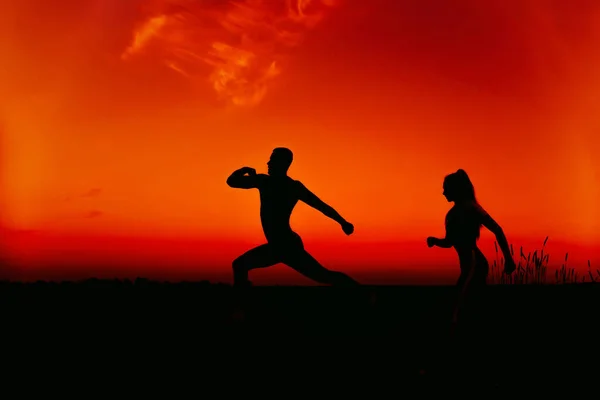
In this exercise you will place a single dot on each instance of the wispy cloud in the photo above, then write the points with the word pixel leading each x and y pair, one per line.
pixel 91 193
pixel 93 214
pixel 95 192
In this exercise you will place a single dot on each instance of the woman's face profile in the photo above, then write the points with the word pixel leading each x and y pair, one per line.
pixel 447 192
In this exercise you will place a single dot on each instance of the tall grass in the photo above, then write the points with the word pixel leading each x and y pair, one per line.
pixel 532 268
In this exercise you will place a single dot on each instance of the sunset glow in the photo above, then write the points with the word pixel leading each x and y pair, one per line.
pixel 123 119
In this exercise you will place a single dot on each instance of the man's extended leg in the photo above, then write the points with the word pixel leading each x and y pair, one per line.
pixel 308 266
pixel 259 257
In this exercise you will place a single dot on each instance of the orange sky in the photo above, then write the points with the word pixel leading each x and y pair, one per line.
pixel 107 133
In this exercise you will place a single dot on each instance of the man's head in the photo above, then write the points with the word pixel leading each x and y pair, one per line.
pixel 280 161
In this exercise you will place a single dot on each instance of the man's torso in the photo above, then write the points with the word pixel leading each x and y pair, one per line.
pixel 278 197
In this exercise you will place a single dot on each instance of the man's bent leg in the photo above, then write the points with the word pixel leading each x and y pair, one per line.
pixel 307 265
pixel 262 256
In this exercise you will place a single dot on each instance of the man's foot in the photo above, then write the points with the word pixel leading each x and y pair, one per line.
pixel 238 315
pixel 240 296
pixel 342 280
pixel 373 298
pixel 242 284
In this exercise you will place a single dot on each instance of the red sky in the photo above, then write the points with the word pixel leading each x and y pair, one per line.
pixel 117 148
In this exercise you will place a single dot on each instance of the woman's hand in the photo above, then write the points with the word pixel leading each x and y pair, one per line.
pixel 509 266
pixel 431 241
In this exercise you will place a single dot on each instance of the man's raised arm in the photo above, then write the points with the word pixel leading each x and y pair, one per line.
pixel 243 178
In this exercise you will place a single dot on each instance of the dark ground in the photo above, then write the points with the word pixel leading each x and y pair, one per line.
pixel 374 338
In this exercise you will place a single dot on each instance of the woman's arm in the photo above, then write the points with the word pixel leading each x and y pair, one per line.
pixel 496 229
pixel 444 243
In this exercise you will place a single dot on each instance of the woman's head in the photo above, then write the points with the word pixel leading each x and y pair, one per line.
pixel 458 187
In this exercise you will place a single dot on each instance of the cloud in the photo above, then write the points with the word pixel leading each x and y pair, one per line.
pixel 95 192
pixel 93 214
pixel 234 46
pixel 92 193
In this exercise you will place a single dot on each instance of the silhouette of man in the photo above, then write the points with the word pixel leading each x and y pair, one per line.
pixel 278 196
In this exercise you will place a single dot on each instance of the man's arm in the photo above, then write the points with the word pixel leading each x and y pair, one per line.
pixel 312 200
pixel 244 178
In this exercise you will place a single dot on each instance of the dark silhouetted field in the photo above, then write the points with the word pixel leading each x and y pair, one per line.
pixel 374 337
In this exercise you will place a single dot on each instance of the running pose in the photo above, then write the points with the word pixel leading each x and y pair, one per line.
pixel 463 224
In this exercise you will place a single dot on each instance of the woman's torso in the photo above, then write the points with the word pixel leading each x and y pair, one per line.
pixel 463 223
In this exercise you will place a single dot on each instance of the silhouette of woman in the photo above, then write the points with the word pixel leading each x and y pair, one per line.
pixel 463 224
